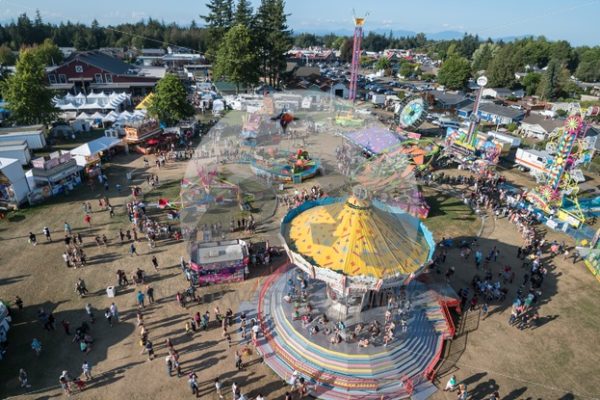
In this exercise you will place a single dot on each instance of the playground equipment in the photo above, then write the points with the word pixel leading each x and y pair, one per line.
pixel 560 187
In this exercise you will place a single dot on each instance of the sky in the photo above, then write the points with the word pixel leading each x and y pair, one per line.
pixel 572 20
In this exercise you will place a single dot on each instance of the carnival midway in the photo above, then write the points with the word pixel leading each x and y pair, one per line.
pixel 296 243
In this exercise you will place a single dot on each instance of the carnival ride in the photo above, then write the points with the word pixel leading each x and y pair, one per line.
pixel 284 166
pixel 560 189
pixel 207 189
pixel 410 113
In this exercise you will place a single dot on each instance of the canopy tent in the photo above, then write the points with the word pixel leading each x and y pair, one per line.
pixel 93 101
pixel 95 146
pixel 145 102
pixel 373 140
pixel 97 115
pixel 83 115
pixel 110 117
pixel 91 106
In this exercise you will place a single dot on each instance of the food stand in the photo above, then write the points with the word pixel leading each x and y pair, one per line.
pixel 219 262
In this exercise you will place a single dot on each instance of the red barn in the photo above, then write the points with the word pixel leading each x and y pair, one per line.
pixel 84 71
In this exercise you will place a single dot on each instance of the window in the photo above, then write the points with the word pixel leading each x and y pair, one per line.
pixel 79 68
pixel 52 78
pixel 62 78
pixel 108 78
pixel 98 78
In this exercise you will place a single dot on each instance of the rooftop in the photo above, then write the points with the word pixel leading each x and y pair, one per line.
pixel 101 60
pixel 495 109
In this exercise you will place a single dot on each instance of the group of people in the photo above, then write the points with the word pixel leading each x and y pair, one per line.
pixel 298 197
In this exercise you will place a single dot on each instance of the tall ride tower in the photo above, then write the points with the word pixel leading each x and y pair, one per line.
pixel 358 33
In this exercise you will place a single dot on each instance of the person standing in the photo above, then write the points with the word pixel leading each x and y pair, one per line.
pixel 169 364
pixel 140 299
pixel 114 311
pixel 87 370
pixel 67 228
pixel 23 379
pixel 133 250
pixel 149 348
pixel 88 220
pixel 19 303
pixel 155 263
pixel 36 345
pixel 193 382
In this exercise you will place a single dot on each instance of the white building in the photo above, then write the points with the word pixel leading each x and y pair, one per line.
pixel 13 184
pixel 33 135
pixel 17 149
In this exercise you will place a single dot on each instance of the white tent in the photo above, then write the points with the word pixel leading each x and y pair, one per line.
pixel 83 115
pixel 91 106
pixel 80 98
pixel 93 148
pixel 97 115
pixel 110 117
pixel 68 107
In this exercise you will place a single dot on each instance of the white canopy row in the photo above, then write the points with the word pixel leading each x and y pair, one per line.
pixel 113 116
pixel 93 101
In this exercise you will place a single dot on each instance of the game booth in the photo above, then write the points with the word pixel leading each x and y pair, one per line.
pixel 219 262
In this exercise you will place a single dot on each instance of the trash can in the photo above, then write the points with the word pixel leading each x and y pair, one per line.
pixel 110 291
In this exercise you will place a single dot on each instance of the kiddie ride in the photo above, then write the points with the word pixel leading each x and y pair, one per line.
pixel 283 166
pixel 558 194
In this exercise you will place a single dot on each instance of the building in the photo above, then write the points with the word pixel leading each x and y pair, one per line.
pixel 85 71
pixel 17 149
pixel 13 184
pixel 493 113
pixel 448 101
pixel 34 135
pixel 539 126
pixel 502 93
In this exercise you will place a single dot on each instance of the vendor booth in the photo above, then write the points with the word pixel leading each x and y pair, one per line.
pixel 93 151
pixel 219 262
pixel 52 175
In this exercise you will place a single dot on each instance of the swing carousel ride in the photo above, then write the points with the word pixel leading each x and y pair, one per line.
pixel 349 314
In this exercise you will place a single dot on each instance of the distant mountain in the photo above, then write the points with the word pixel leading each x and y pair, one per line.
pixel 443 35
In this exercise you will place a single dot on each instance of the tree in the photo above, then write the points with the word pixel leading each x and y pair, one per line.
pixel 6 56
pixel 589 65
pixel 483 56
pixel 407 69
pixel 550 84
pixel 243 13
pixel 455 72
pixel 48 53
pixel 383 64
pixel 272 39
pixel 346 50
pixel 236 58
pixel 169 103
pixel 29 101
pixel 531 82
pixel 218 21
pixel 501 71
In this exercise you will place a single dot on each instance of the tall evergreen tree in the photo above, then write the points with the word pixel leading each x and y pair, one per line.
pixel 549 87
pixel 273 39
pixel 218 21
pixel 243 13
pixel 169 102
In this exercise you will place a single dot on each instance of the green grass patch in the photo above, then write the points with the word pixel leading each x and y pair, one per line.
pixel 449 216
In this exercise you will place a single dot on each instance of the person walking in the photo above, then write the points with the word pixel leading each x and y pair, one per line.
pixel 451 384
pixel 23 379
pixel 114 311
pixel 149 348
pixel 218 388
pixel 67 228
pixel 19 303
pixel 169 364
pixel 193 382
pixel 46 231
pixel 32 239
pixel 87 370
pixel 150 294
pixel 65 383
pixel 132 250
pixel 155 263
pixel 108 316
pixel 36 345
pixel 88 220
pixel 90 312
pixel 140 299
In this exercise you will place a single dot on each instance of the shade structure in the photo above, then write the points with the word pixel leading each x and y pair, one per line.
pixel 356 238
pixel 84 115
pixel 373 140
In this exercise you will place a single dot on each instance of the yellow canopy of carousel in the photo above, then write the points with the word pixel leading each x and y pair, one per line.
pixel 358 239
